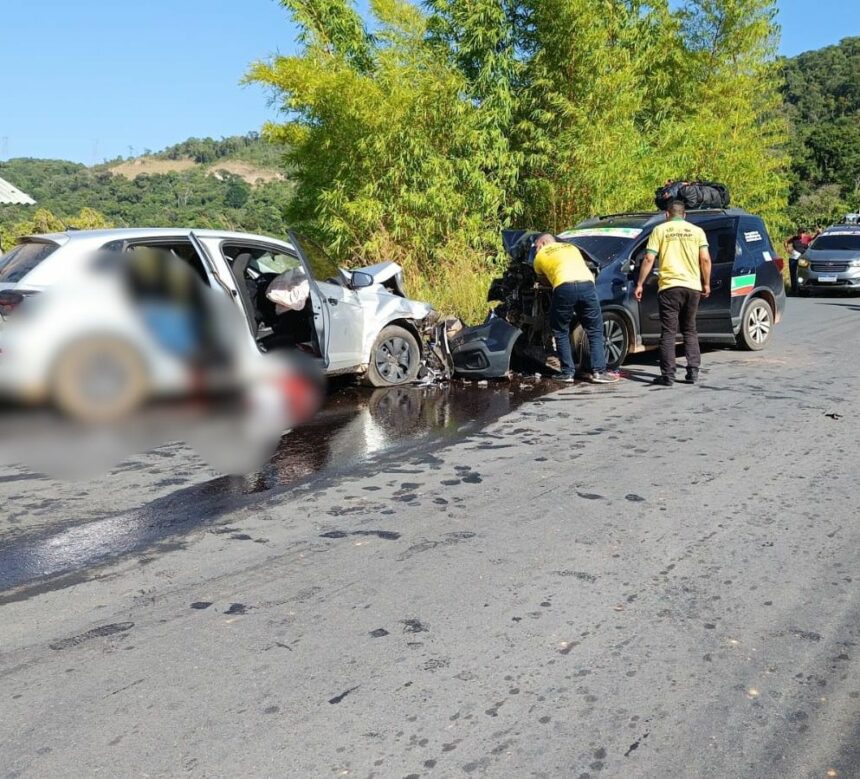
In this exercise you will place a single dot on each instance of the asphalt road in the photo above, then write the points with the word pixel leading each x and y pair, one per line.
pixel 622 582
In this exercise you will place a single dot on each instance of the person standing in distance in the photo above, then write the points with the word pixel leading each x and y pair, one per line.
pixel 573 294
pixel 685 277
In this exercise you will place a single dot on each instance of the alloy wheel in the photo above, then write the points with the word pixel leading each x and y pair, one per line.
pixel 394 359
pixel 758 324
pixel 614 339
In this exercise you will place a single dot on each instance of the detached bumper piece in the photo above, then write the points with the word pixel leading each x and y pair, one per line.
pixel 484 352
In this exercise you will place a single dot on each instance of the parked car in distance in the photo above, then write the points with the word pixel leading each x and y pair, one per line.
pixel 831 262
pixel 357 322
pixel 747 290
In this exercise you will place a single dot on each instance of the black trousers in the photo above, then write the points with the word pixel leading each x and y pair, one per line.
pixel 678 308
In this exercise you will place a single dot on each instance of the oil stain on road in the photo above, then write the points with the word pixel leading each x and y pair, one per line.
pixel 357 431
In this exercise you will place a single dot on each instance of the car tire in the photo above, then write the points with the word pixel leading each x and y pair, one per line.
pixel 756 325
pixel 74 387
pixel 395 358
pixel 616 339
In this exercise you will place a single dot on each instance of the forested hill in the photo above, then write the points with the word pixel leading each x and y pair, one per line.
pixel 822 95
pixel 235 182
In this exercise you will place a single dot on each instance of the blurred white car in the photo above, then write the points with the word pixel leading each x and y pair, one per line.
pixel 78 343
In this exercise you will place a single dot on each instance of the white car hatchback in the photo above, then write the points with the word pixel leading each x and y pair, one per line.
pixel 350 322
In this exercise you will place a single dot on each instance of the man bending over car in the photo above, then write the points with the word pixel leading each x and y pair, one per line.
pixel 573 294
pixel 685 277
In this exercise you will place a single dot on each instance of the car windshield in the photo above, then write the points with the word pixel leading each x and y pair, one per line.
pixel 604 242
pixel 842 241
pixel 16 264
pixel 603 248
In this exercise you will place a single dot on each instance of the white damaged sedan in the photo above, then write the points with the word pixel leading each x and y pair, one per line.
pixel 349 322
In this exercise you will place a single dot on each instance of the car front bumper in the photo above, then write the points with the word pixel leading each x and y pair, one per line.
pixel 837 279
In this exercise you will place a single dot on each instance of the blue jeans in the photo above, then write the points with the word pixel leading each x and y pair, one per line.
pixel 577 299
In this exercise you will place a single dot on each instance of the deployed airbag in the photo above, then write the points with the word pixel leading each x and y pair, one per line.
pixel 289 291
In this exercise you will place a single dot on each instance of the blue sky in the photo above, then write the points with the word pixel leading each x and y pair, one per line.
pixel 94 79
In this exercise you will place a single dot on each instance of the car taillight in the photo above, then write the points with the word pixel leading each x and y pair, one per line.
pixel 9 301
pixel 779 262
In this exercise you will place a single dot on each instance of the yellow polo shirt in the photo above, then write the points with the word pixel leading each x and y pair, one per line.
pixel 677 244
pixel 562 263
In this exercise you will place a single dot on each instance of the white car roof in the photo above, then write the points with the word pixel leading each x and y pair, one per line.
pixel 76 245
pixel 131 233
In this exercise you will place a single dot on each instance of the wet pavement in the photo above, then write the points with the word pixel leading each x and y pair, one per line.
pixel 357 430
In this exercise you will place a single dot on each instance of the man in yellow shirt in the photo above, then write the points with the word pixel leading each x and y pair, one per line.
pixel 573 294
pixel 685 277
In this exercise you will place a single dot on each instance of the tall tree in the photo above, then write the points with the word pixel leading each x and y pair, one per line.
pixel 391 158
pixel 578 119
pixel 733 129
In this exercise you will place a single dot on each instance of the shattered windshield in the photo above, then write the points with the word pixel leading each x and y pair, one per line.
pixel 606 241
pixel 604 249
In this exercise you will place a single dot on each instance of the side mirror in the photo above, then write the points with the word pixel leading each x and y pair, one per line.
pixel 360 280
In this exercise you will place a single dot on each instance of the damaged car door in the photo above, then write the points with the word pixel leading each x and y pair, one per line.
pixel 340 309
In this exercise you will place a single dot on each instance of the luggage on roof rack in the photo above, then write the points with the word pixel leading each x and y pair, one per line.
pixel 695 195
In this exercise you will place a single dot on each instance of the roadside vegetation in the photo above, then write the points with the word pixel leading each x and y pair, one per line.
pixel 822 95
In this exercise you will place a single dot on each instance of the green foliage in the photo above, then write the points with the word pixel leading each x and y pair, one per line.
pixel 391 159
pixel 201 196
pixel 822 93
pixel 422 141
pixel 819 208
pixel 41 220
pixel 733 130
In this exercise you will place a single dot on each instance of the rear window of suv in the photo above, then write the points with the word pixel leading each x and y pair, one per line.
pixel 16 264
pixel 844 241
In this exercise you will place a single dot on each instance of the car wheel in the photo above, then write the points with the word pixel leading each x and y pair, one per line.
pixel 756 325
pixel 616 342
pixel 98 380
pixel 394 359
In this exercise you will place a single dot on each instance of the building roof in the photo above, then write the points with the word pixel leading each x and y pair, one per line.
pixel 10 195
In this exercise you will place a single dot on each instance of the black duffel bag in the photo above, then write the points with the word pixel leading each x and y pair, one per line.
pixel 695 195
pixel 705 194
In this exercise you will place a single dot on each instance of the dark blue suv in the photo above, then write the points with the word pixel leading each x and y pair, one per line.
pixel 747 290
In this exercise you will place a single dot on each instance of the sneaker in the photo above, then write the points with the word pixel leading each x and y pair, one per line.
pixel 603 377
pixel 692 375
pixel 554 363
pixel 566 378
pixel 662 381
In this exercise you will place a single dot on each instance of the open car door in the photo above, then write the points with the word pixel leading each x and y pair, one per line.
pixel 338 313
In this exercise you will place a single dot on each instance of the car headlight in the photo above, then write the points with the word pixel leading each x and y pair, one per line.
pixel 854 264
pixel 803 263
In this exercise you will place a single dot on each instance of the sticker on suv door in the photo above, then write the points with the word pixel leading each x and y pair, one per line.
pixel 743 285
